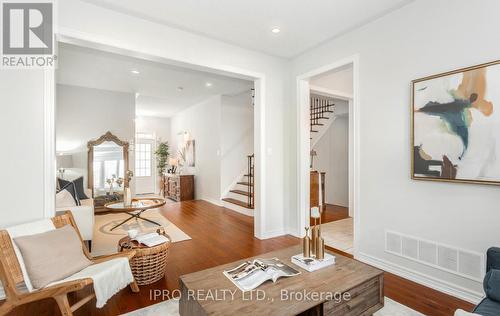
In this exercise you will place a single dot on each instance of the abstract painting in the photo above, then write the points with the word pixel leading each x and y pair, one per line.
pixel 190 153
pixel 456 125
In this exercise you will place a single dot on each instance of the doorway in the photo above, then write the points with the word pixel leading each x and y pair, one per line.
pixel 330 141
pixel 145 181
pixel 259 117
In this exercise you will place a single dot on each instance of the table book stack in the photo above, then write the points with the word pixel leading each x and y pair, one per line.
pixel 313 264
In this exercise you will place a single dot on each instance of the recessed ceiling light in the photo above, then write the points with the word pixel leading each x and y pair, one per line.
pixel 180 88
pixel 135 71
pixel 208 84
pixel 275 30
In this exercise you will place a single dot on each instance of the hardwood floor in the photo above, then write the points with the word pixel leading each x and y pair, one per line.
pixel 335 213
pixel 220 236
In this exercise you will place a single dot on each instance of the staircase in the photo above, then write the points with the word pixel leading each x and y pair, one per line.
pixel 241 197
pixel 321 116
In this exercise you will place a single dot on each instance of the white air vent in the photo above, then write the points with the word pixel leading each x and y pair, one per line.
pixel 393 243
pixel 470 264
pixel 448 258
pixel 409 247
pixel 427 252
pixel 451 259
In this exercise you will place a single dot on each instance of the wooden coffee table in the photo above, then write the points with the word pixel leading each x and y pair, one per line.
pixel 202 293
pixel 135 209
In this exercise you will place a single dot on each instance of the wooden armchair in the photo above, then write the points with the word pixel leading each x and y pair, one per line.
pixel 11 275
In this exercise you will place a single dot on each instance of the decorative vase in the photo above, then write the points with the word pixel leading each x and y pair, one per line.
pixel 306 244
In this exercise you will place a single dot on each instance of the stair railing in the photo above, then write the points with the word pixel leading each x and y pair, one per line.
pixel 251 180
pixel 319 106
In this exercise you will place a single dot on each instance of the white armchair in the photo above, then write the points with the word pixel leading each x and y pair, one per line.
pixel 83 215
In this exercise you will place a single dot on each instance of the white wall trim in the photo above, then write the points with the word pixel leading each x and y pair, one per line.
pixel 49 144
pixel 331 93
pixel 74 37
pixel 303 145
pixel 420 278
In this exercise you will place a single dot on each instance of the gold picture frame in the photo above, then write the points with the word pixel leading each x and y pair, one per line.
pixel 449 170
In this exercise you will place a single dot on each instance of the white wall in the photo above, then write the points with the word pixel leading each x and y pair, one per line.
pixel 237 136
pixel 203 122
pixel 160 126
pixel 423 38
pixel 333 158
pixel 22 129
pixel 162 41
pixel 84 114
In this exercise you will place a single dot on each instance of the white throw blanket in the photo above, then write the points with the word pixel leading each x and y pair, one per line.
pixel 109 278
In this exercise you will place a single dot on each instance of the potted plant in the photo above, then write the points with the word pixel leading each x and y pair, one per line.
pixel 162 154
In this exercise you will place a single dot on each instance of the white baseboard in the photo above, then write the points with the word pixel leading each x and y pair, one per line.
pixel 273 233
pixel 420 278
pixel 294 232
pixel 209 200
pixel 237 208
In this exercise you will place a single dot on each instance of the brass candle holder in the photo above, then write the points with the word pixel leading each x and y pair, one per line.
pixel 314 246
pixel 306 244
pixel 320 242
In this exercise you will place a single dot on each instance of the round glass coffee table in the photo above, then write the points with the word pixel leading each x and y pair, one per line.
pixel 135 209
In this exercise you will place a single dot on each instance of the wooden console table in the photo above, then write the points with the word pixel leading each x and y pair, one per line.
pixel 364 284
pixel 179 187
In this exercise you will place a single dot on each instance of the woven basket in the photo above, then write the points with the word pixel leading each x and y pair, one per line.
pixel 149 263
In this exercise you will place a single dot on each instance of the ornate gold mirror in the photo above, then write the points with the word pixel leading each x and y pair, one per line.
pixel 107 165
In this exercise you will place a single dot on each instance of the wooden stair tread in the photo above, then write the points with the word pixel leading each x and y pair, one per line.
pixel 245 193
pixel 244 183
pixel 319 118
pixel 237 202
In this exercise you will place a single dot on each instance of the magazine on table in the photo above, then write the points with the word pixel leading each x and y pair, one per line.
pixel 151 239
pixel 251 274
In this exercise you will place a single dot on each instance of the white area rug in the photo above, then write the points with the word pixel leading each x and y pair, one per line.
pixel 106 241
pixel 171 308
pixel 339 234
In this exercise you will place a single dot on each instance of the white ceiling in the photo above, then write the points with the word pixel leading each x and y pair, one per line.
pixel 157 84
pixel 337 80
pixel 304 23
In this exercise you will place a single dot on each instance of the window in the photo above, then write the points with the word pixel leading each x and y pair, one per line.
pixel 143 159
pixel 144 136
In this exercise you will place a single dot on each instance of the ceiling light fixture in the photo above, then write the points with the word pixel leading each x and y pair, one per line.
pixel 275 30
pixel 135 71
pixel 208 84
